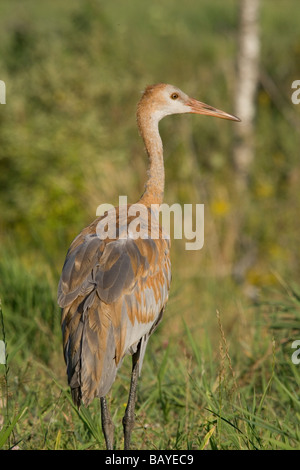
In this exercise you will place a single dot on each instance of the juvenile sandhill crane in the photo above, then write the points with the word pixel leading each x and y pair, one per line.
pixel 113 291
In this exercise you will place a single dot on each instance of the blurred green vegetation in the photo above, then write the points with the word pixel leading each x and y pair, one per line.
pixel 74 71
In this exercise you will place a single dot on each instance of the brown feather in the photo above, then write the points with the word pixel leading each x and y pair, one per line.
pixel 112 293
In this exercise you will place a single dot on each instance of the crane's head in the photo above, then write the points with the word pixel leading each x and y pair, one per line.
pixel 161 100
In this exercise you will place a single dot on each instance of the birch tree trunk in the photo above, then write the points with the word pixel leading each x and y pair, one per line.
pixel 241 251
pixel 246 86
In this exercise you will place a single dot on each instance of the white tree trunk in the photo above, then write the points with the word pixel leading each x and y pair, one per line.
pixel 246 86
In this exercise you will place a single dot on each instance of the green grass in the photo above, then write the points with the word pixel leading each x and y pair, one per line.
pixel 73 72
pixel 240 394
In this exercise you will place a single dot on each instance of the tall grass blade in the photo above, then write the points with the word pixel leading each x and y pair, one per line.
pixel 7 430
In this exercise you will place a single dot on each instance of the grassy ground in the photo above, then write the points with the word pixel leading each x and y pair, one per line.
pixel 239 393
pixel 218 373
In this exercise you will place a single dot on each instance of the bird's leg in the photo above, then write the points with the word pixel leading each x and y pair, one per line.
pixel 107 424
pixel 128 419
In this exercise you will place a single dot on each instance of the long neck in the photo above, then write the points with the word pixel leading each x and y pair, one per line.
pixel 154 188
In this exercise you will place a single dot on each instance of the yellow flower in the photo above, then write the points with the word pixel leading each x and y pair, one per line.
pixel 264 189
pixel 219 207
pixel 260 278
pixel 276 251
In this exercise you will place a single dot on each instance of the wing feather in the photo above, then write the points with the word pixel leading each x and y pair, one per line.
pixel 112 294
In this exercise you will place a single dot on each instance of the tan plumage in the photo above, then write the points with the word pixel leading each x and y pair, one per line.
pixel 113 291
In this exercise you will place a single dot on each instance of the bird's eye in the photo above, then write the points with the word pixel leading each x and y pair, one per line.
pixel 174 96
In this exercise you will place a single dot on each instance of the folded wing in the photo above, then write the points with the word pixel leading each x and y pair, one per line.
pixel 112 294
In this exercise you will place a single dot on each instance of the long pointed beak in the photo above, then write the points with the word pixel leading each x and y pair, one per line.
pixel 201 108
